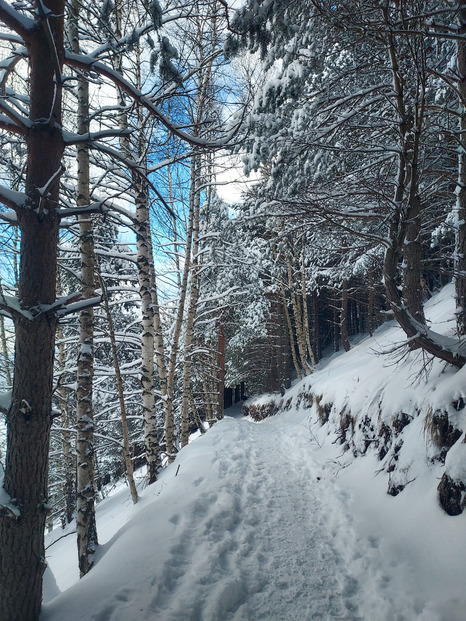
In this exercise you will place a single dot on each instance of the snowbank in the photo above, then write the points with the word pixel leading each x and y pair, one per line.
pixel 397 404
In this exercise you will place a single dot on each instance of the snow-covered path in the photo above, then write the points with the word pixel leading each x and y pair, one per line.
pixel 256 546
pixel 251 523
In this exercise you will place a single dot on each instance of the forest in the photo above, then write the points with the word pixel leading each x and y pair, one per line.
pixel 141 292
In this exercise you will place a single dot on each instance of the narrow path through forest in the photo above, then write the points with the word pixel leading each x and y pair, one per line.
pixel 252 523
pixel 258 546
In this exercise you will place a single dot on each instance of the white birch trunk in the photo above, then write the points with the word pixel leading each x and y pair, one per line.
pixel 151 332
pixel 193 299
pixel 121 398
pixel 85 506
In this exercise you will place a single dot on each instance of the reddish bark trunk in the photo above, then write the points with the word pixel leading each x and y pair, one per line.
pixel 29 419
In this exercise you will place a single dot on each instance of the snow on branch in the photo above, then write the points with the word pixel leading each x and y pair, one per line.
pixel 91 137
pixel 11 37
pixel 19 121
pixel 7 65
pixel 11 307
pixel 10 217
pixel 16 21
pixel 87 63
pixel 134 166
pixel 12 198
pixel 96 207
pixel 132 258
pixel 68 305
pixel 10 126
pixel 171 160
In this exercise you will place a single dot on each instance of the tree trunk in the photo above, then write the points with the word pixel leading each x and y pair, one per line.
pixel 193 298
pixel 460 210
pixel 344 316
pixel 417 332
pixel 121 398
pixel 146 287
pixel 29 418
pixel 170 429
pixel 316 324
pixel 300 337
pixel 412 283
pixel 69 465
pixel 336 329
pixel 5 352
pixel 86 527
pixel 310 351
pixel 371 302
pixel 221 370
pixel 152 345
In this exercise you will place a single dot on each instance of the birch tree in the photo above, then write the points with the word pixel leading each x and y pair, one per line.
pixel 36 119
pixel 86 527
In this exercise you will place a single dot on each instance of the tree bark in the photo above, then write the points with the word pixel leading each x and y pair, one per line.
pixel 221 370
pixel 152 345
pixel 5 352
pixel 170 429
pixel 29 419
pixel 316 324
pixel 290 330
pixel 69 465
pixel 310 351
pixel 403 216
pixel 460 210
pixel 193 299
pixel 344 316
pixel 86 526
pixel 121 398
pixel 371 302
pixel 300 336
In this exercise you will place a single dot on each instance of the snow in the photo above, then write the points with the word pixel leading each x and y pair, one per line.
pixel 274 521
pixel 15 17
pixel 5 401
pixel 12 197
pixel 7 506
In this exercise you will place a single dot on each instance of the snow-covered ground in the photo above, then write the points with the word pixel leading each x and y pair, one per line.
pixel 273 521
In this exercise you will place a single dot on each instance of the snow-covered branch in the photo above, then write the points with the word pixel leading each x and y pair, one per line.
pixel 11 307
pixel 21 124
pixel 10 217
pixel 70 138
pixel 16 21
pixel 87 63
pixel 10 126
pixel 11 198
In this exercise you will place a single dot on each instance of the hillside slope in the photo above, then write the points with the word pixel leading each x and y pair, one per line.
pixel 276 521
